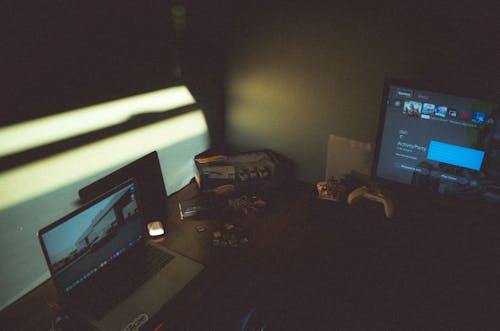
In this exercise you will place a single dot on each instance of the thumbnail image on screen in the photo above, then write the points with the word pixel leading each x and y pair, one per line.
pixel 440 142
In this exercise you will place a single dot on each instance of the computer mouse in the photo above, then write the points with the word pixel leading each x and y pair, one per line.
pixel 155 229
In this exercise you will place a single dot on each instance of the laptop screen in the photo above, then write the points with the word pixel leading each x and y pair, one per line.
pixel 92 237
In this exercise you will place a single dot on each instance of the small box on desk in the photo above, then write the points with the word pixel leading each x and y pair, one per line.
pixel 250 171
pixel 199 206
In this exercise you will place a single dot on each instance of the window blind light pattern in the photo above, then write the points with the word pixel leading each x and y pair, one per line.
pixel 34 133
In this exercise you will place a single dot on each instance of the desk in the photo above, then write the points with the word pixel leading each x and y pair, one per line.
pixel 267 232
pixel 317 265
pixel 234 277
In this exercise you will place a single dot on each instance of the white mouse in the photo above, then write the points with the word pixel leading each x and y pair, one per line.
pixel 156 229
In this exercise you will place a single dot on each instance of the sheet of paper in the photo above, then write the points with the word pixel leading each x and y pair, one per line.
pixel 345 155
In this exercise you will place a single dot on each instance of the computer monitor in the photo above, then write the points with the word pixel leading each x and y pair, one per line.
pixel 148 175
pixel 438 142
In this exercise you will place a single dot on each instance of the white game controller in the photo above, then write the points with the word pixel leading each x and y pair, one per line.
pixel 365 192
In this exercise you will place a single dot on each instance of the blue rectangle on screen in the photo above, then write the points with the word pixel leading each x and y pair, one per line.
pixel 456 155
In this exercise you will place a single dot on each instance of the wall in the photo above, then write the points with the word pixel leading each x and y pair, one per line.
pixel 58 56
pixel 63 55
pixel 299 71
pixel 203 58
pixel 23 264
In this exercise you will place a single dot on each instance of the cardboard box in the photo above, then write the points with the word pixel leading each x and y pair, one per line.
pixel 238 172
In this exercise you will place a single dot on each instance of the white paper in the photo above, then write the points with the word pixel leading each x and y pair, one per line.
pixel 345 155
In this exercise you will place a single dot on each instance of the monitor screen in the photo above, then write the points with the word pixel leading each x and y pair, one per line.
pixel 439 142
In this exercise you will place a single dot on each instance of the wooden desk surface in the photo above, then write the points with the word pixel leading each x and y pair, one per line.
pixel 268 229
pixel 317 265
pixel 274 234
pixel 271 232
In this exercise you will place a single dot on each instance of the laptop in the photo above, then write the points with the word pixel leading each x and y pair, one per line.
pixel 105 269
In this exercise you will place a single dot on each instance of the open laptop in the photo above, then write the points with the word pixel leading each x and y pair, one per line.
pixel 105 269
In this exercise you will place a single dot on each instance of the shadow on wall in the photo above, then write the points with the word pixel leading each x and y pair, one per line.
pixel 137 121
pixel 82 142
pixel 46 136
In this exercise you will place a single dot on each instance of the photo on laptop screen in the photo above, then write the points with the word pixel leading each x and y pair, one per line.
pixel 90 238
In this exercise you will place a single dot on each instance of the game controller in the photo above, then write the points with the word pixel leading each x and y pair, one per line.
pixel 365 192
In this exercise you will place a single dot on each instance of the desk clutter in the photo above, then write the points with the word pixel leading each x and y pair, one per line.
pixel 223 207
pixel 207 205
pixel 349 190
pixel 231 185
pixel 337 189
pixel 332 189
pixel 230 235
pixel 198 206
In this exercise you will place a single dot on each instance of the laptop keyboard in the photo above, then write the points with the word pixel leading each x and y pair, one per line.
pixel 118 281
